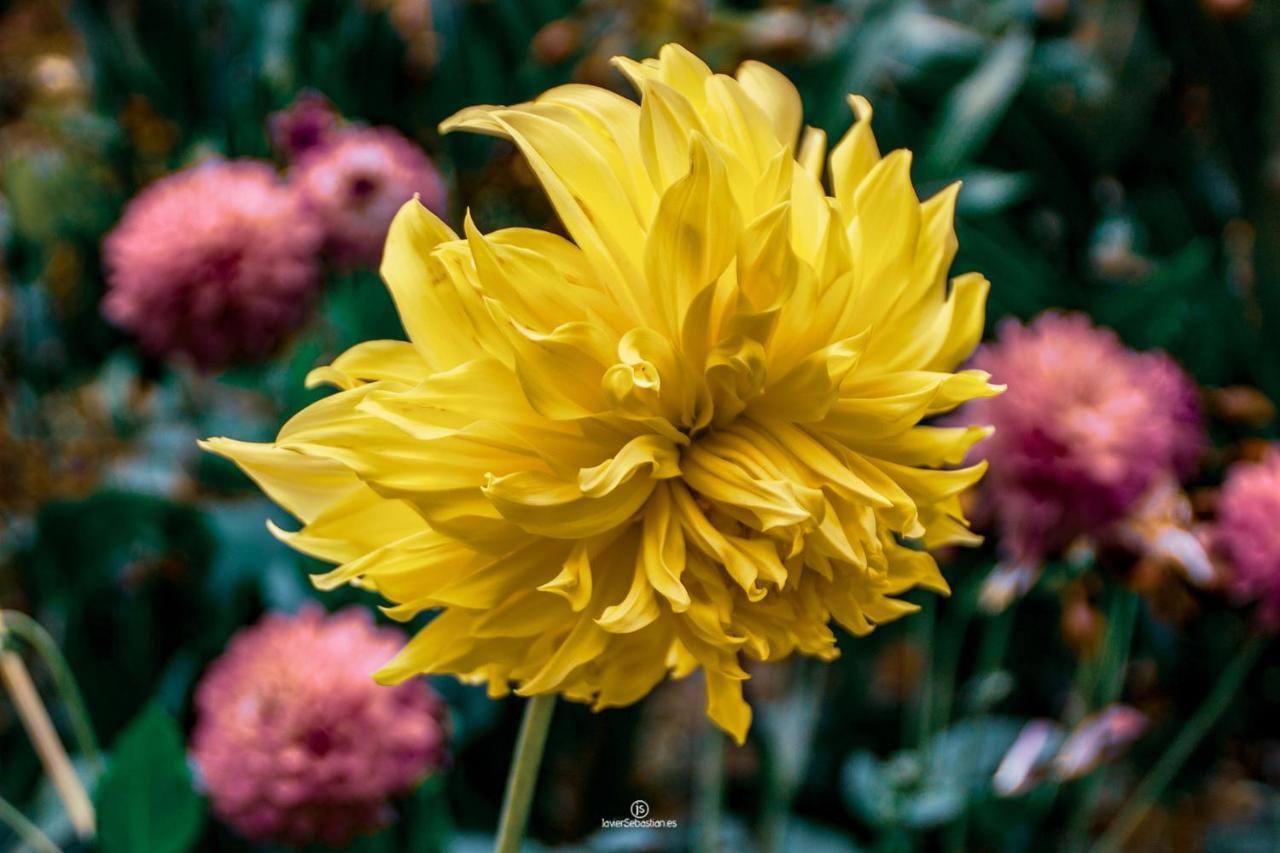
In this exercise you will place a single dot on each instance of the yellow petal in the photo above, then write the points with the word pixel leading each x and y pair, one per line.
pixel 694 235
pixel 684 72
pixel 969 298
pixel 776 96
pixel 637 610
pixel 652 452
pixel 807 392
pixel 738 122
pixel 667 122
pixel 304 485
pixel 909 568
pixel 929 486
pixel 925 445
pixel 615 130
pixel 430 307
pixel 726 707
pixel 583 644
pixel 662 551
pixel 764 502
pixel 855 155
pixel 579 183
pixel 359 522
pixel 544 505
pixel 531 288
pixel 561 370
pixel 371 361
pixel 883 236
pixel 813 152
pixel 574 582
pixel 744 559
pixel 767 265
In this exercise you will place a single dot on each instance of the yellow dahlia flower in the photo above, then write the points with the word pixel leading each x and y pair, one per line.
pixel 688 434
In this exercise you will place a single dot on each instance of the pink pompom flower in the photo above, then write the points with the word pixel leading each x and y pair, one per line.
pixel 1086 430
pixel 306 124
pixel 1247 537
pixel 355 183
pixel 218 262
pixel 295 743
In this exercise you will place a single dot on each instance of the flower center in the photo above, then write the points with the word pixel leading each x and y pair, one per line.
pixel 362 188
pixel 318 742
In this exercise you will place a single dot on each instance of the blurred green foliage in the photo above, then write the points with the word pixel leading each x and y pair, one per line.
pixel 145 802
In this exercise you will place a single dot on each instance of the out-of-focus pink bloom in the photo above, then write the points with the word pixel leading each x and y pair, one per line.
pixel 308 123
pixel 218 262
pixel 1099 738
pixel 1023 765
pixel 294 741
pixel 356 182
pixel 1086 428
pixel 1247 536
pixel 1042 750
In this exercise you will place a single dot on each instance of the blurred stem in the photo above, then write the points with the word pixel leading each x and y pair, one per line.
pixel 1104 686
pixel 26 830
pixel 995 641
pixel 949 655
pixel 53 756
pixel 928 628
pixel 709 786
pixel 523 776
pixel 1153 785
pixel 34 634
pixel 992 649
pixel 790 746
pixel 1123 618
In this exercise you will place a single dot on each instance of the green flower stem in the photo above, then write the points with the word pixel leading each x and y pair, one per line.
pixel 34 634
pixel 790 725
pixel 927 626
pixel 26 830
pixel 962 611
pixel 1124 620
pixel 708 787
pixel 1153 785
pixel 523 776
pixel 997 631
pixel 1100 684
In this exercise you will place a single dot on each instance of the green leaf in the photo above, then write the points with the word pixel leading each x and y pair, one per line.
pixel 146 802
pixel 868 790
pixel 974 108
pixel 933 786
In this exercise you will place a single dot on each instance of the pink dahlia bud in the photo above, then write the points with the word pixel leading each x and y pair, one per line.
pixel 294 741
pixel 1086 428
pixel 1023 766
pixel 1097 739
pixel 355 184
pixel 306 124
pixel 217 262
pixel 1247 537
pixel 1043 750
